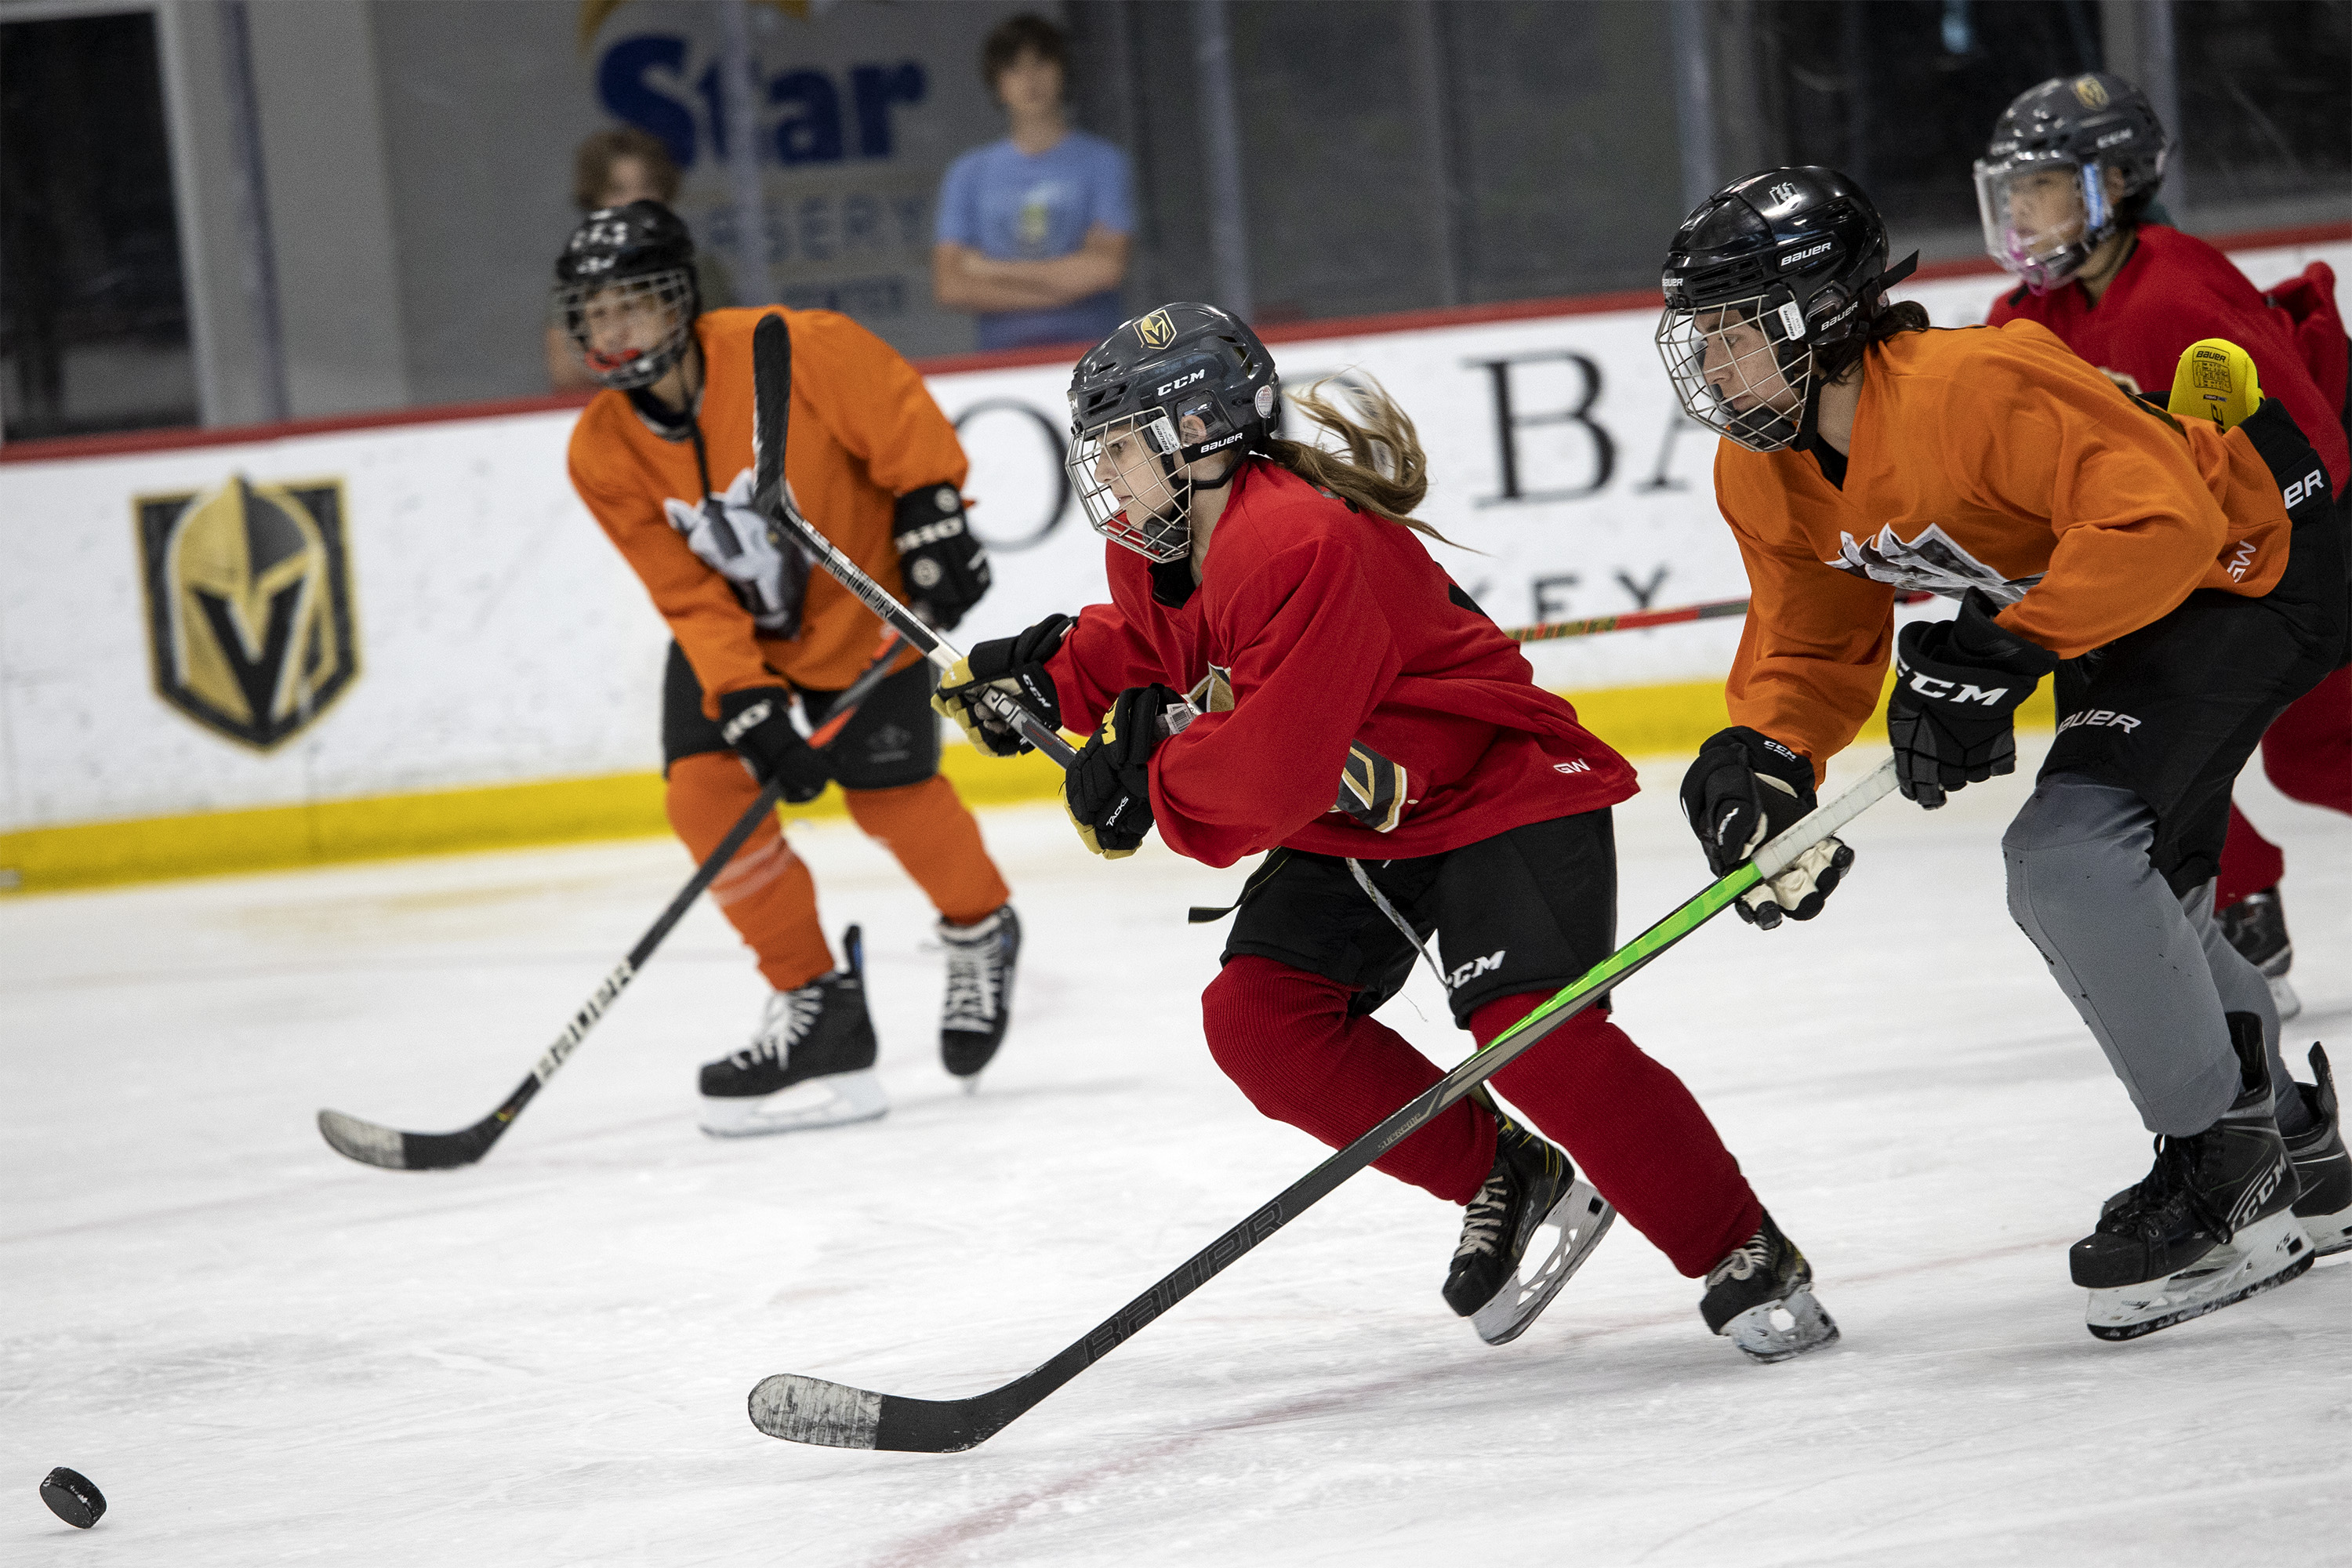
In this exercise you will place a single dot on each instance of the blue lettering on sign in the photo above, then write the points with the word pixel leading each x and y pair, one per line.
pixel 812 127
pixel 813 134
pixel 626 95
pixel 876 88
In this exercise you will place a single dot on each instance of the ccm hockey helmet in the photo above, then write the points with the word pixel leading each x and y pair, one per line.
pixel 1771 285
pixel 625 292
pixel 1168 389
pixel 2042 186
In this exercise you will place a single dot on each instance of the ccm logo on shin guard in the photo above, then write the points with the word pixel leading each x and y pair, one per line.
pixel 1937 687
pixel 1475 968
pixel 2311 484
pixel 750 718
pixel 2098 718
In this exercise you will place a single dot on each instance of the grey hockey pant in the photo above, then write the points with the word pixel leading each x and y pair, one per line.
pixel 2149 972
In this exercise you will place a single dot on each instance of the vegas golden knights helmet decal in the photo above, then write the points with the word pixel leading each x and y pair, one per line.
pixel 249 623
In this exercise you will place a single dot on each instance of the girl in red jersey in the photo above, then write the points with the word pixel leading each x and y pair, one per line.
pixel 2065 187
pixel 1282 585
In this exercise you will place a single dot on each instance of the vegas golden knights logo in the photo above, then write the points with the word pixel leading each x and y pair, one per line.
pixel 1156 330
pixel 2091 93
pixel 249 624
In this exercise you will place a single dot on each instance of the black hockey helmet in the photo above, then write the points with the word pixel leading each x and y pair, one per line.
pixel 638 256
pixel 2042 186
pixel 1771 285
pixel 1169 388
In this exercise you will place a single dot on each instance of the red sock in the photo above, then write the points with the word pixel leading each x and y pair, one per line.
pixel 1633 1131
pixel 2250 862
pixel 2307 750
pixel 1285 1036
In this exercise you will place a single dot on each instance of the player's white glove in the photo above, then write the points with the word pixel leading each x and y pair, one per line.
pixel 732 540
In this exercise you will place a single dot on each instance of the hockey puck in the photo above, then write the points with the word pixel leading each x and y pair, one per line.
pixel 72 1498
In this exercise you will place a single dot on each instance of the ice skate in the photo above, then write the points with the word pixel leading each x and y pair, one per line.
pixel 2322 1165
pixel 2256 926
pixel 810 1064
pixel 1760 1297
pixel 1532 1188
pixel 2212 1222
pixel 979 1003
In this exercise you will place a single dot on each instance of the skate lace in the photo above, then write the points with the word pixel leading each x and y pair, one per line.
pixel 1752 1257
pixel 784 1022
pixel 974 980
pixel 1482 1223
pixel 2169 1181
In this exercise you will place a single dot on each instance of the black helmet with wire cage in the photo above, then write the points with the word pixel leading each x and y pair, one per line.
pixel 1771 285
pixel 621 259
pixel 1168 389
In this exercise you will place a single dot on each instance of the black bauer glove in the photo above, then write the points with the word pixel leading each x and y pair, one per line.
pixel 1952 715
pixel 759 724
pixel 1014 666
pixel 944 565
pixel 1108 790
pixel 1741 792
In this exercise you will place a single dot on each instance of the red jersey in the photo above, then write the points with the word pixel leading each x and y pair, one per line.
pixel 2172 291
pixel 1331 627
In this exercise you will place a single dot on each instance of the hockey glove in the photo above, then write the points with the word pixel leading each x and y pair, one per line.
pixel 1108 790
pixel 1014 667
pixel 939 555
pixel 770 579
pixel 1744 788
pixel 1952 714
pixel 759 724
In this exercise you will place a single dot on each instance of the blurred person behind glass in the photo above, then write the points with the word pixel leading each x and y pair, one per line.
pixel 612 169
pixel 1034 231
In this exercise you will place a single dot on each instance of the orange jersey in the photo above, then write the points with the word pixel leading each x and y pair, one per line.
pixel 864 432
pixel 1990 459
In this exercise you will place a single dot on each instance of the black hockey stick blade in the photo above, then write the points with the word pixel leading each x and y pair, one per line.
pixel 834 1415
pixel 371 1144
pixel 771 409
pixel 393 1150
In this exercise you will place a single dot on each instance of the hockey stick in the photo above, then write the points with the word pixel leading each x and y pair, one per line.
pixel 811 1410
pixel 1633 620
pixel 1630 620
pixel 372 1144
pixel 772 381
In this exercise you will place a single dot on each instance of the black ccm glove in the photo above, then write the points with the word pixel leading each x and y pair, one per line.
pixel 941 559
pixel 759 724
pixel 1108 790
pixel 1744 788
pixel 1014 666
pixel 1952 714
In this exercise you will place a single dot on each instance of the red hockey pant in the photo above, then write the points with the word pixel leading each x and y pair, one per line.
pixel 2307 753
pixel 1285 1036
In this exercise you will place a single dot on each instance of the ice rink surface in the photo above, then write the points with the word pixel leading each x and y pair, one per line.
pixel 265 1355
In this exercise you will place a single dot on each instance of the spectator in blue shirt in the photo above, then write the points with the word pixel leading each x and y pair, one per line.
pixel 1034 230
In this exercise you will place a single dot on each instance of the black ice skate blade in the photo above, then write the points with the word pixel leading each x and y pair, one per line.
pixel 2139 1330
pixel 72 1498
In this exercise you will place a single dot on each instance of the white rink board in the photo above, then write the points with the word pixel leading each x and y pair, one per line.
pixel 502 640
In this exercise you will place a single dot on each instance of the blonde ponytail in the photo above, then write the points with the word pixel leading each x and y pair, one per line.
pixel 1381 468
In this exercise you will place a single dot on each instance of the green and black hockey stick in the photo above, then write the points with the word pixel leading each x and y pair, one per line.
pixel 811 1410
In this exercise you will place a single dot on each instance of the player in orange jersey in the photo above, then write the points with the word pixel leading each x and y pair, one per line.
pixel 664 459
pixel 2183 584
